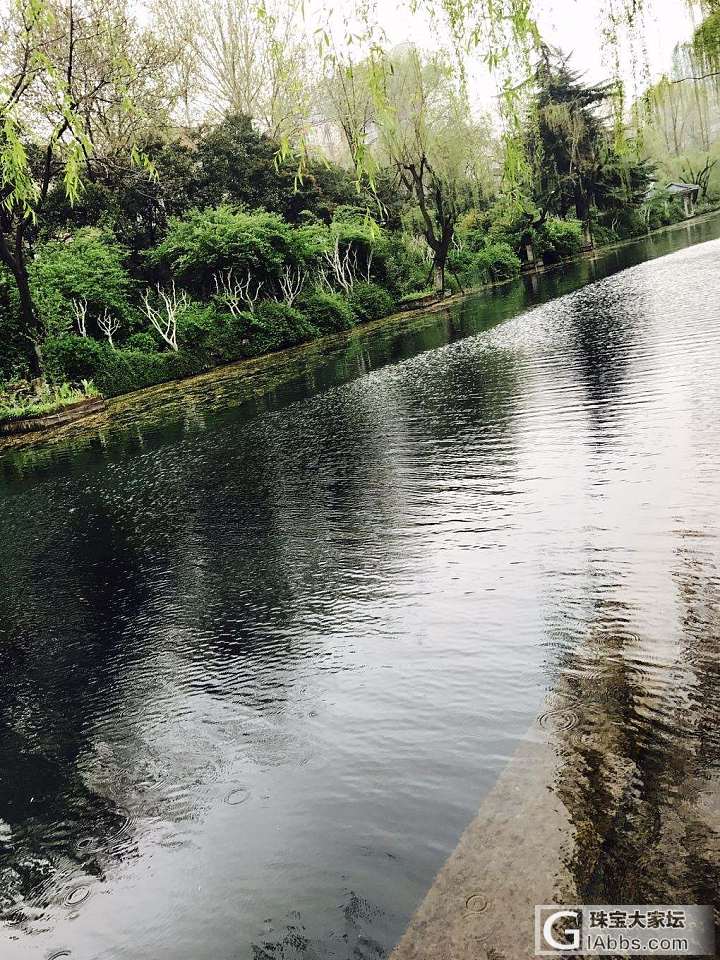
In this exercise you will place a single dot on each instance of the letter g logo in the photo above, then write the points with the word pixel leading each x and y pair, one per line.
pixel 573 933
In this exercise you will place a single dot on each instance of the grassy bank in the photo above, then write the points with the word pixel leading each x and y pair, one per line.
pixel 19 401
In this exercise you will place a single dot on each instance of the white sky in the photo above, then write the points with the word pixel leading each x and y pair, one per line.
pixel 576 26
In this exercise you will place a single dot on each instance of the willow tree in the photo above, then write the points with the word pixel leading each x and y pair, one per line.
pixel 345 101
pixel 401 112
pixel 676 115
pixel 706 44
pixel 65 86
pixel 424 131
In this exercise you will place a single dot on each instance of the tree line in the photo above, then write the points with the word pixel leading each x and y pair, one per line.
pixel 207 185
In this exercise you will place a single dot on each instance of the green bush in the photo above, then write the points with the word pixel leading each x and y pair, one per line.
pixel 196 325
pixel 142 341
pixel 461 261
pixel 498 261
pixel 71 358
pixel 558 239
pixel 206 242
pixel 418 295
pixel 89 267
pixel 660 209
pixel 369 301
pixel 328 312
pixel 604 235
pixel 13 352
pixel 402 269
pixel 276 325
pixel 232 337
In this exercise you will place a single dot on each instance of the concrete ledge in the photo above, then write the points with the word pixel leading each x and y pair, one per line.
pixel 482 903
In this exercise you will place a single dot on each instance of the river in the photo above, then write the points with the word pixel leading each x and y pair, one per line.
pixel 266 644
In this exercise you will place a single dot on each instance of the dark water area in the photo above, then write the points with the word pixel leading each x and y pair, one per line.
pixel 266 644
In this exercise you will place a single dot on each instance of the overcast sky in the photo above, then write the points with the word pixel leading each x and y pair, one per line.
pixel 576 26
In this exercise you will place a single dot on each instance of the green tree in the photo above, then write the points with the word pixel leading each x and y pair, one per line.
pixel 440 154
pixel 65 84
pixel 85 273
pixel 566 140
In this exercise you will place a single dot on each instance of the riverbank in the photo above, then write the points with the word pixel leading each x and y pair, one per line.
pixel 264 374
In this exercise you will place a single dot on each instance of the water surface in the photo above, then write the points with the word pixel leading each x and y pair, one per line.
pixel 265 646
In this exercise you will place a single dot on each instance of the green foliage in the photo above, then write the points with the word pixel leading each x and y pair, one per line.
pixel 195 327
pixel 113 371
pixel 73 358
pixel 281 326
pixel 661 209
pixel 366 240
pixel 497 261
pixel 232 162
pixel 403 269
pixel 706 39
pixel 143 341
pixel 461 260
pixel 566 140
pixel 17 401
pixel 12 346
pixel 558 239
pixel 207 242
pixel 350 213
pixel 88 267
pixel 328 312
pixel 418 295
pixel 369 301
pixel 226 163
pixel 206 338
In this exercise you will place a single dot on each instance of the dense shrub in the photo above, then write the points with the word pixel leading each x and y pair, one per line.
pixel 476 238
pixel 74 358
pixel 558 239
pixel 461 261
pixel 205 338
pixel 232 337
pixel 328 312
pixel 206 242
pixel 89 267
pixel 13 352
pixel 71 358
pixel 142 341
pixel 196 326
pixel 404 270
pixel 364 236
pixel 277 325
pixel 603 235
pixel 498 261
pixel 660 209
pixel 418 295
pixel 369 301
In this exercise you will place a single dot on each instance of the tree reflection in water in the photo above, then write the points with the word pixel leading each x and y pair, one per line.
pixel 638 748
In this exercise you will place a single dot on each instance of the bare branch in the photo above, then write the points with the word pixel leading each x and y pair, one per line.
pixel 292 282
pixel 164 319
pixel 108 325
pixel 238 295
pixel 343 266
pixel 79 308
